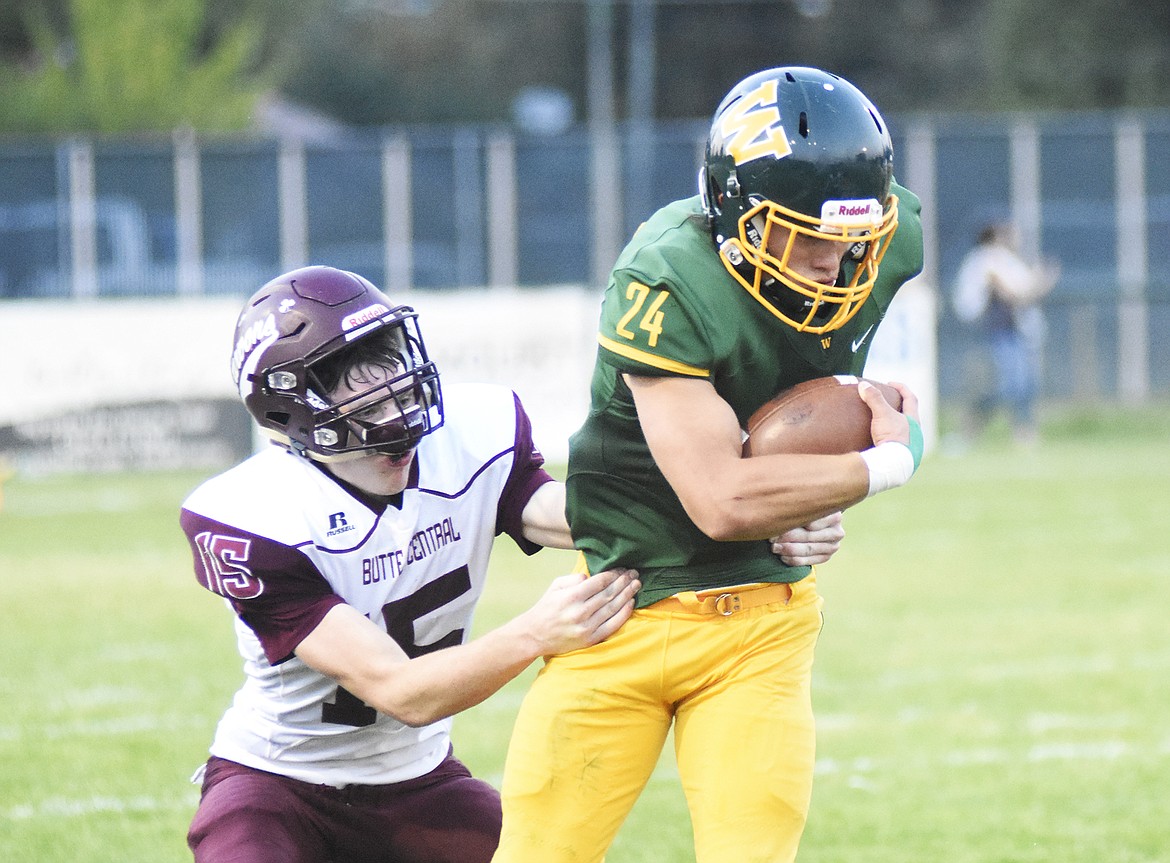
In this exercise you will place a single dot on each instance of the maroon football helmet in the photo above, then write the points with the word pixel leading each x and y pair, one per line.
pixel 298 342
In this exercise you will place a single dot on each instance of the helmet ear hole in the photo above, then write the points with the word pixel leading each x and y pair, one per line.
pixel 279 418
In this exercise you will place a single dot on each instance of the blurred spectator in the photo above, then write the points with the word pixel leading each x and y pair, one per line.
pixel 997 294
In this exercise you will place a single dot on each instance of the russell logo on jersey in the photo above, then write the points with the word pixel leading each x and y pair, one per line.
pixel 338 524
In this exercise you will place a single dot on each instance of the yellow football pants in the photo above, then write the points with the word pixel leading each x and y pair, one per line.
pixel 593 724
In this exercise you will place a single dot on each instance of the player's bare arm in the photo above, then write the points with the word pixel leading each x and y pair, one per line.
pixel 544 523
pixel 543 517
pixel 696 441
pixel 576 611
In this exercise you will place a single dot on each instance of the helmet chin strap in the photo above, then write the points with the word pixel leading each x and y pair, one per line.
pixel 788 301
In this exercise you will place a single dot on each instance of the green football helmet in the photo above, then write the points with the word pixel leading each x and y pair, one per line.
pixel 803 151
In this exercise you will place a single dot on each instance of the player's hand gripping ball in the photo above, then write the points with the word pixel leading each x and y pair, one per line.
pixel 824 416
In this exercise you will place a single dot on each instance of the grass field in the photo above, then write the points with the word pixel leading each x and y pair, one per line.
pixel 992 683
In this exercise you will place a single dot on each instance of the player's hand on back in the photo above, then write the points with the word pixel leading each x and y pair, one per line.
pixel 579 610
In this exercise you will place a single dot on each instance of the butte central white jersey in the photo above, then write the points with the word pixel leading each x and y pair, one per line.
pixel 283 542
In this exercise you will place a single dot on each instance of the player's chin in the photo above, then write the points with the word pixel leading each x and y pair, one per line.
pixel 385 473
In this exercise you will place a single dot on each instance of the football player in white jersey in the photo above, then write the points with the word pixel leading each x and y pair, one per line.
pixel 352 553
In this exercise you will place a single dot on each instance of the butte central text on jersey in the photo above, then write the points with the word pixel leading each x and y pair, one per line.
pixel 423 543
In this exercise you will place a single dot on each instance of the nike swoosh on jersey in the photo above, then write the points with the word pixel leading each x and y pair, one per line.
pixel 859 342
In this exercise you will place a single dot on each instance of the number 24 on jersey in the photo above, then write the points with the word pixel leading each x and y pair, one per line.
pixel 650 320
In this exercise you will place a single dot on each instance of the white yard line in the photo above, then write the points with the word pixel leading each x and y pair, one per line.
pixel 61 807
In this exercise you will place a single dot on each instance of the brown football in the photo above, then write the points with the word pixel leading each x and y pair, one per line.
pixel 824 416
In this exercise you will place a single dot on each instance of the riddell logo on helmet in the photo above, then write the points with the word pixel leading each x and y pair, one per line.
pixel 867 211
pixel 366 315
pixel 849 210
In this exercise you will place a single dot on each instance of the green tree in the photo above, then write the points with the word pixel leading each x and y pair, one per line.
pixel 129 66
pixel 1078 53
pixel 376 62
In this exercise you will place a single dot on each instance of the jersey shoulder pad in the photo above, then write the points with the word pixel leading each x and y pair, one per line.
pixel 266 495
pixel 479 428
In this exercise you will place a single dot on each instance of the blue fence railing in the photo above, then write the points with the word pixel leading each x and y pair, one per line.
pixel 437 208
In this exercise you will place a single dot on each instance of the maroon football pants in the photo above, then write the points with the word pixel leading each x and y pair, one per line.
pixel 249 816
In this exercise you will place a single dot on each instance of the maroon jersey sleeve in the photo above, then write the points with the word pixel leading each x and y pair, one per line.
pixel 275 589
pixel 528 474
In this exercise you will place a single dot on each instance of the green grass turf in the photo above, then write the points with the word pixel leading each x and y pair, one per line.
pixel 990 684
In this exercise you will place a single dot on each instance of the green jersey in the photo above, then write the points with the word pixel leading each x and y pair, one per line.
pixel 671 308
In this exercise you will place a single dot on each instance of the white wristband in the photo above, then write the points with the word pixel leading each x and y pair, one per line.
pixel 890 464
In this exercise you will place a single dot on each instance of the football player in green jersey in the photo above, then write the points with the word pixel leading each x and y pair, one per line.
pixel 779 271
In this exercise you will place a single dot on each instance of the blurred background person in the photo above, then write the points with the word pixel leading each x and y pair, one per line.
pixel 997 294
